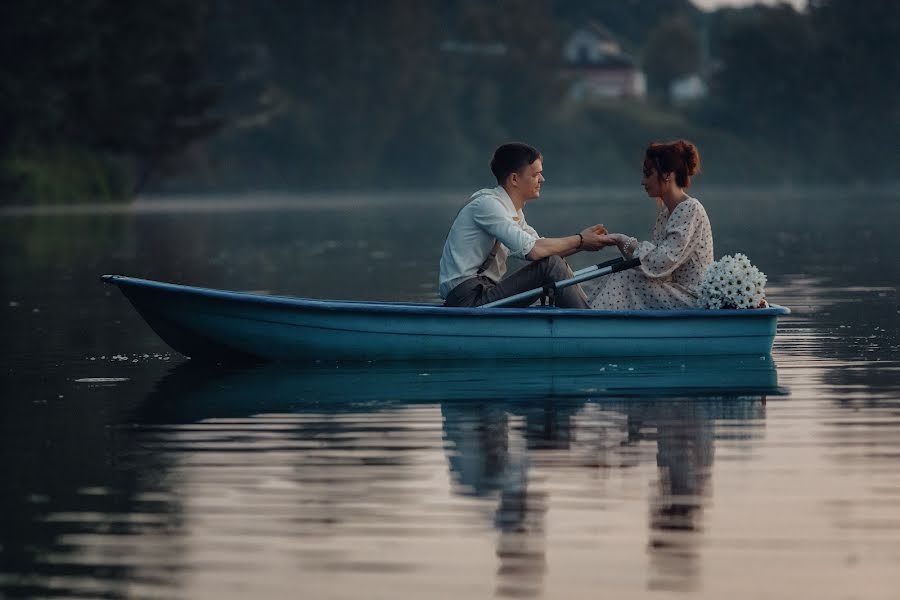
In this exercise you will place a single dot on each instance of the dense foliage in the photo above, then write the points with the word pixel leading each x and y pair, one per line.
pixel 96 96
pixel 821 88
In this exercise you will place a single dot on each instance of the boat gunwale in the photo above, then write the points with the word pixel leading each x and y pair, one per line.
pixel 407 308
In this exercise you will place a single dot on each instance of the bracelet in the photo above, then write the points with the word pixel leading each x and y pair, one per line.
pixel 628 244
pixel 580 242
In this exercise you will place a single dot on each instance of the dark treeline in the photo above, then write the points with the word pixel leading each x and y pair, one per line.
pixel 96 94
pixel 99 98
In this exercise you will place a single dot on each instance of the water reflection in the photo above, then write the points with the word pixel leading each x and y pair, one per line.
pixel 77 521
pixel 491 437
pixel 685 450
pixel 346 386
pixel 490 457
pixel 556 482
pixel 245 476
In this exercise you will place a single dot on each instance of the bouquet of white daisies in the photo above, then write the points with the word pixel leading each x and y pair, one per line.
pixel 732 282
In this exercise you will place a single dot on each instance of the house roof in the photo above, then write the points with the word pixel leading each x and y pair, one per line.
pixel 606 61
pixel 600 30
pixel 593 46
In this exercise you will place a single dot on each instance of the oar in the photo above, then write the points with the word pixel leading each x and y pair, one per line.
pixel 593 268
pixel 585 274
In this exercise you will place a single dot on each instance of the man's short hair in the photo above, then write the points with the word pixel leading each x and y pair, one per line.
pixel 512 158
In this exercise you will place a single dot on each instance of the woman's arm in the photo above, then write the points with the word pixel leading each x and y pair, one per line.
pixel 681 236
pixel 626 244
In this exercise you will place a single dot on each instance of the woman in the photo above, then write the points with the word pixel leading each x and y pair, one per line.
pixel 680 248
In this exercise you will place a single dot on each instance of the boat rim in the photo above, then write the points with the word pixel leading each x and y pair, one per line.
pixel 433 309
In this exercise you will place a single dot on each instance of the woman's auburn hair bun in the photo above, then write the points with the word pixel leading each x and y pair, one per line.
pixel 690 155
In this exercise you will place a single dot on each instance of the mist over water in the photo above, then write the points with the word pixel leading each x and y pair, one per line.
pixel 129 472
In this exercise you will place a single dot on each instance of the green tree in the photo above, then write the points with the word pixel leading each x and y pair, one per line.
pixel 425 89
pixel 857 82
pixel 332 82
pixel 762 87
pixel 672 51
pixel 817 87
pixel 101 78
pixel 631 20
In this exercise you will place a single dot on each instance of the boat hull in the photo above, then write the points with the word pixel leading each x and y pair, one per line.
pixel 215 324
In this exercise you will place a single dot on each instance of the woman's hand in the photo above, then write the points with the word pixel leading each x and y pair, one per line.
pixel 610 239
pixel 625 243
pixel 594 238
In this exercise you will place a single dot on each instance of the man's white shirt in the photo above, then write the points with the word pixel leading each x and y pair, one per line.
pixel 487 218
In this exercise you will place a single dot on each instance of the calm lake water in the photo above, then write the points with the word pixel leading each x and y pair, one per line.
pixel 129 472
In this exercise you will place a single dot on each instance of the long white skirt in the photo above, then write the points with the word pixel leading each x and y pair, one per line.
pixel 630 290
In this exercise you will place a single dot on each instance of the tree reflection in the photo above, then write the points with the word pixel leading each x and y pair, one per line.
pixel 72 477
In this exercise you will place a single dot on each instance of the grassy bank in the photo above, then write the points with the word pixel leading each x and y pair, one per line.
pixel 62 175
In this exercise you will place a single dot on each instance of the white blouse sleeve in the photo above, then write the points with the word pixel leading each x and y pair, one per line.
pixel 682 234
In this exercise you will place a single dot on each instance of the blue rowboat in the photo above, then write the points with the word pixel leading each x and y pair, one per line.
pixel 211 324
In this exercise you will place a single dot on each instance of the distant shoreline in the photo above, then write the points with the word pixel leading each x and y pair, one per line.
pixel 266 200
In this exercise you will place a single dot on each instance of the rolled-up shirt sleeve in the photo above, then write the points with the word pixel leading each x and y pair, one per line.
pixel 530 230
pixel 491 217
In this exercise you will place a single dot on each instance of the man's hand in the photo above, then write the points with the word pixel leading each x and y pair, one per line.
pixel 594 238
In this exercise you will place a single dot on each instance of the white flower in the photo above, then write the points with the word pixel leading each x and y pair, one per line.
pixel 732 282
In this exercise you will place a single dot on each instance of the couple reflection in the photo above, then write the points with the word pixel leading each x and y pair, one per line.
pixel 488 449
pixel 505 448
pixel 499 451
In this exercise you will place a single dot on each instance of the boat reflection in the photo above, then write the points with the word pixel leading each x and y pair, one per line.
pixel 507 426
pixel 191 391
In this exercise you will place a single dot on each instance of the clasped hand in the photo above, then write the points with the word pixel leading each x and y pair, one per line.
pixel 596 237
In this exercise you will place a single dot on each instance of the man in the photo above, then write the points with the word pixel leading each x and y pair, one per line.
pixel 492 227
